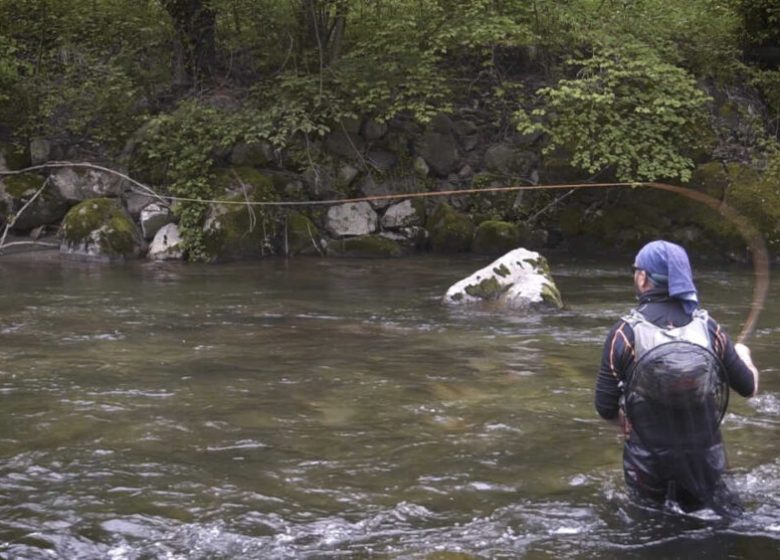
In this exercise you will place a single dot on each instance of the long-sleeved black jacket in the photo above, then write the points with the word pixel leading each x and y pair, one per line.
pixel 618 354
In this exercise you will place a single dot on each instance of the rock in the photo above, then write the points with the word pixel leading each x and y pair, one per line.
pixel 381 160
pixel 365 246
pixel 421 167
pixel 520 279
pixel 301 236
pixel 40 150
pixel 373 130
pixel 494 237
pixel 135 202
pixel 504 159
pixel 354 218
pixel 48 208
pixel 347 174
pixel 415 237
pixel 403 214
pixel 238 231
pixel 100 229
pixel 75 185
pixel 344 144
pixel 167 244
pixel 370 187
pixel 450 231
pixel 13 157
pixel 320 181
pixel 153 217
pixel 440 151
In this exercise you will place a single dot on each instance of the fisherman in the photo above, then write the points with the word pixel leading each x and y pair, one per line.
pixel 664 379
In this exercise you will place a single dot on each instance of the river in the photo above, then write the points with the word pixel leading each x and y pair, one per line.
pixel 325 408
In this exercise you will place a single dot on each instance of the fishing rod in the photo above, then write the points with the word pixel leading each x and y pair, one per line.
pixel 746 229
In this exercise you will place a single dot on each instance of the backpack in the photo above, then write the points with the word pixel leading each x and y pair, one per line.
pixel 676 393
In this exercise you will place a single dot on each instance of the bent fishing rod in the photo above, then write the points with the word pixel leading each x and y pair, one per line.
pixel 746 229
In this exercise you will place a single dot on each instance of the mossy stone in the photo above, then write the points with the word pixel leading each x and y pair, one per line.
pixel 488 289
pixel 100 227
pixel 23 185
pixel 451 232
pixel 237 231
pixel 16 157
pixel 496 237
pixel 366 246
pixel 48 208
pixel 301 235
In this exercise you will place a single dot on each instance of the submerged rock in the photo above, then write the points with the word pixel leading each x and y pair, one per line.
pixel 520 279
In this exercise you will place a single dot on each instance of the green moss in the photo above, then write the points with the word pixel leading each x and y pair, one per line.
pixel 24 185
pixel 451 232
pixel 238 231
pixel 502 271
pixel 301 234
pixel 16 157
pixel 117 235
pixel 551 295
pixel 365 246
pixel 488 289
pixel 496 237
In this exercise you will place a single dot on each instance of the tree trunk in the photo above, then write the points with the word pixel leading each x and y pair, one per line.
pixel 195 24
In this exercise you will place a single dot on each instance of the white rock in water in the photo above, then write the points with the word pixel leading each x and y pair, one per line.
pixel 518 280
pixel 167 244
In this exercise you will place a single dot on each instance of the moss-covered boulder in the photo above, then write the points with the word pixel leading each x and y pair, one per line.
pixel 239 231
pixel 300 236
pixel 100 229
pixel 14 157
pixel 450 231
pixel 365 246
pixel 16 190
pixel 496 237
pixel 519 280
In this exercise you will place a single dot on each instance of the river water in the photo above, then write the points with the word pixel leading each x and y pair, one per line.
pixel 335 409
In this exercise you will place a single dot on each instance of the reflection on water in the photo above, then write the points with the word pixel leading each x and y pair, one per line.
pixel 334 409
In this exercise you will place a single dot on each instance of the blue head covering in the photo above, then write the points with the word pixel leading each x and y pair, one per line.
pixel 668 266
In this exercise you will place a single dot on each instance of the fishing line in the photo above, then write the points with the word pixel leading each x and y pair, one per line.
pixel 746 229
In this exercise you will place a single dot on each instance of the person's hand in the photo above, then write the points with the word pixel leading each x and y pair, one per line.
pixel 744 354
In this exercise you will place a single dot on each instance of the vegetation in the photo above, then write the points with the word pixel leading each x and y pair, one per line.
pixel 622 88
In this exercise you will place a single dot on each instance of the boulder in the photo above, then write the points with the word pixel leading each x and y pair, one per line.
pixel 365 246
pixel 153 217
pixel 77 184
pixel 239 231
pixel 100 229
pixel 505 159
pixel 354 218
pixel 404 214
pixel 48 208
pixel 440 152
pixel 519 280
pixel 450 231
pixel 495 237
pixel 374 130
pixel 301 236
pixel 167 244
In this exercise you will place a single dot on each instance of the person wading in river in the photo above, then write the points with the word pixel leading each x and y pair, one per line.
pixel 664 379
